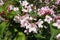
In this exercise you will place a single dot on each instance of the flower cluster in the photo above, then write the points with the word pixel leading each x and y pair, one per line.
pixel 45 10
pixel 11 7
pixel 25 6
pixel 57 2
pixel 33 17
pixel 57 22
pixel 25 20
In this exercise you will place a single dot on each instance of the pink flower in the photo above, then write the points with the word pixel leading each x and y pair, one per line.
pixel 57 24
pixel 24 10
pixel 24 3
pixel 23 20
pixel 48 19
pixel 32 28
pixel 27 9
pixel 51 11
pixel 45 10
pixel 58 36
pixel 17 18
pixel 1 2
pixel 56 18
pixel 26 31
pixel 15 9
pixel 1 19
pixel 57 2
pixel 10 7
pixel 39 23
pixel 24 23
pixel 41 12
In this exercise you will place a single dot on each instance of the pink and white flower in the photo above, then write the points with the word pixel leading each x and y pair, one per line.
pixel 10 7
pixel 25 6
pixel 33 28
pixel 58 36
pixel 41 12
pixel 24 10
pixel 17 18
pixel 39 23
pixel 1 19
pixel 23 20
pixel 57 2
pixel 56 18
pixel 48 19
pixel 57 24
pixel 1 2
pixel 24 23
pixel 45 10
pixel 24 3
pixel 15 9
pixel 27 9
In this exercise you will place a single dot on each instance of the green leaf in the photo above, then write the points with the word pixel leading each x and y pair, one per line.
pixel 8 35
pixel 20 36
pixel 1 9
pixel 16 0
pixel 53 31
pixel 39 36
pixel 3 25
pixel 11 14
pixel 34 14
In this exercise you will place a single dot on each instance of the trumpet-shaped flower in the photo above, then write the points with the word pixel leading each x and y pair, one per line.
pixel 24 3
pixel 10 7
pixel 45 10
pixel 27 9
pixel 15 8
pixel 1 2
pixel 48 19
pixel 57 24
pixel 57 1
pixel 17 18
pixel 32 28
pixel 58 36
pixel 39 23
